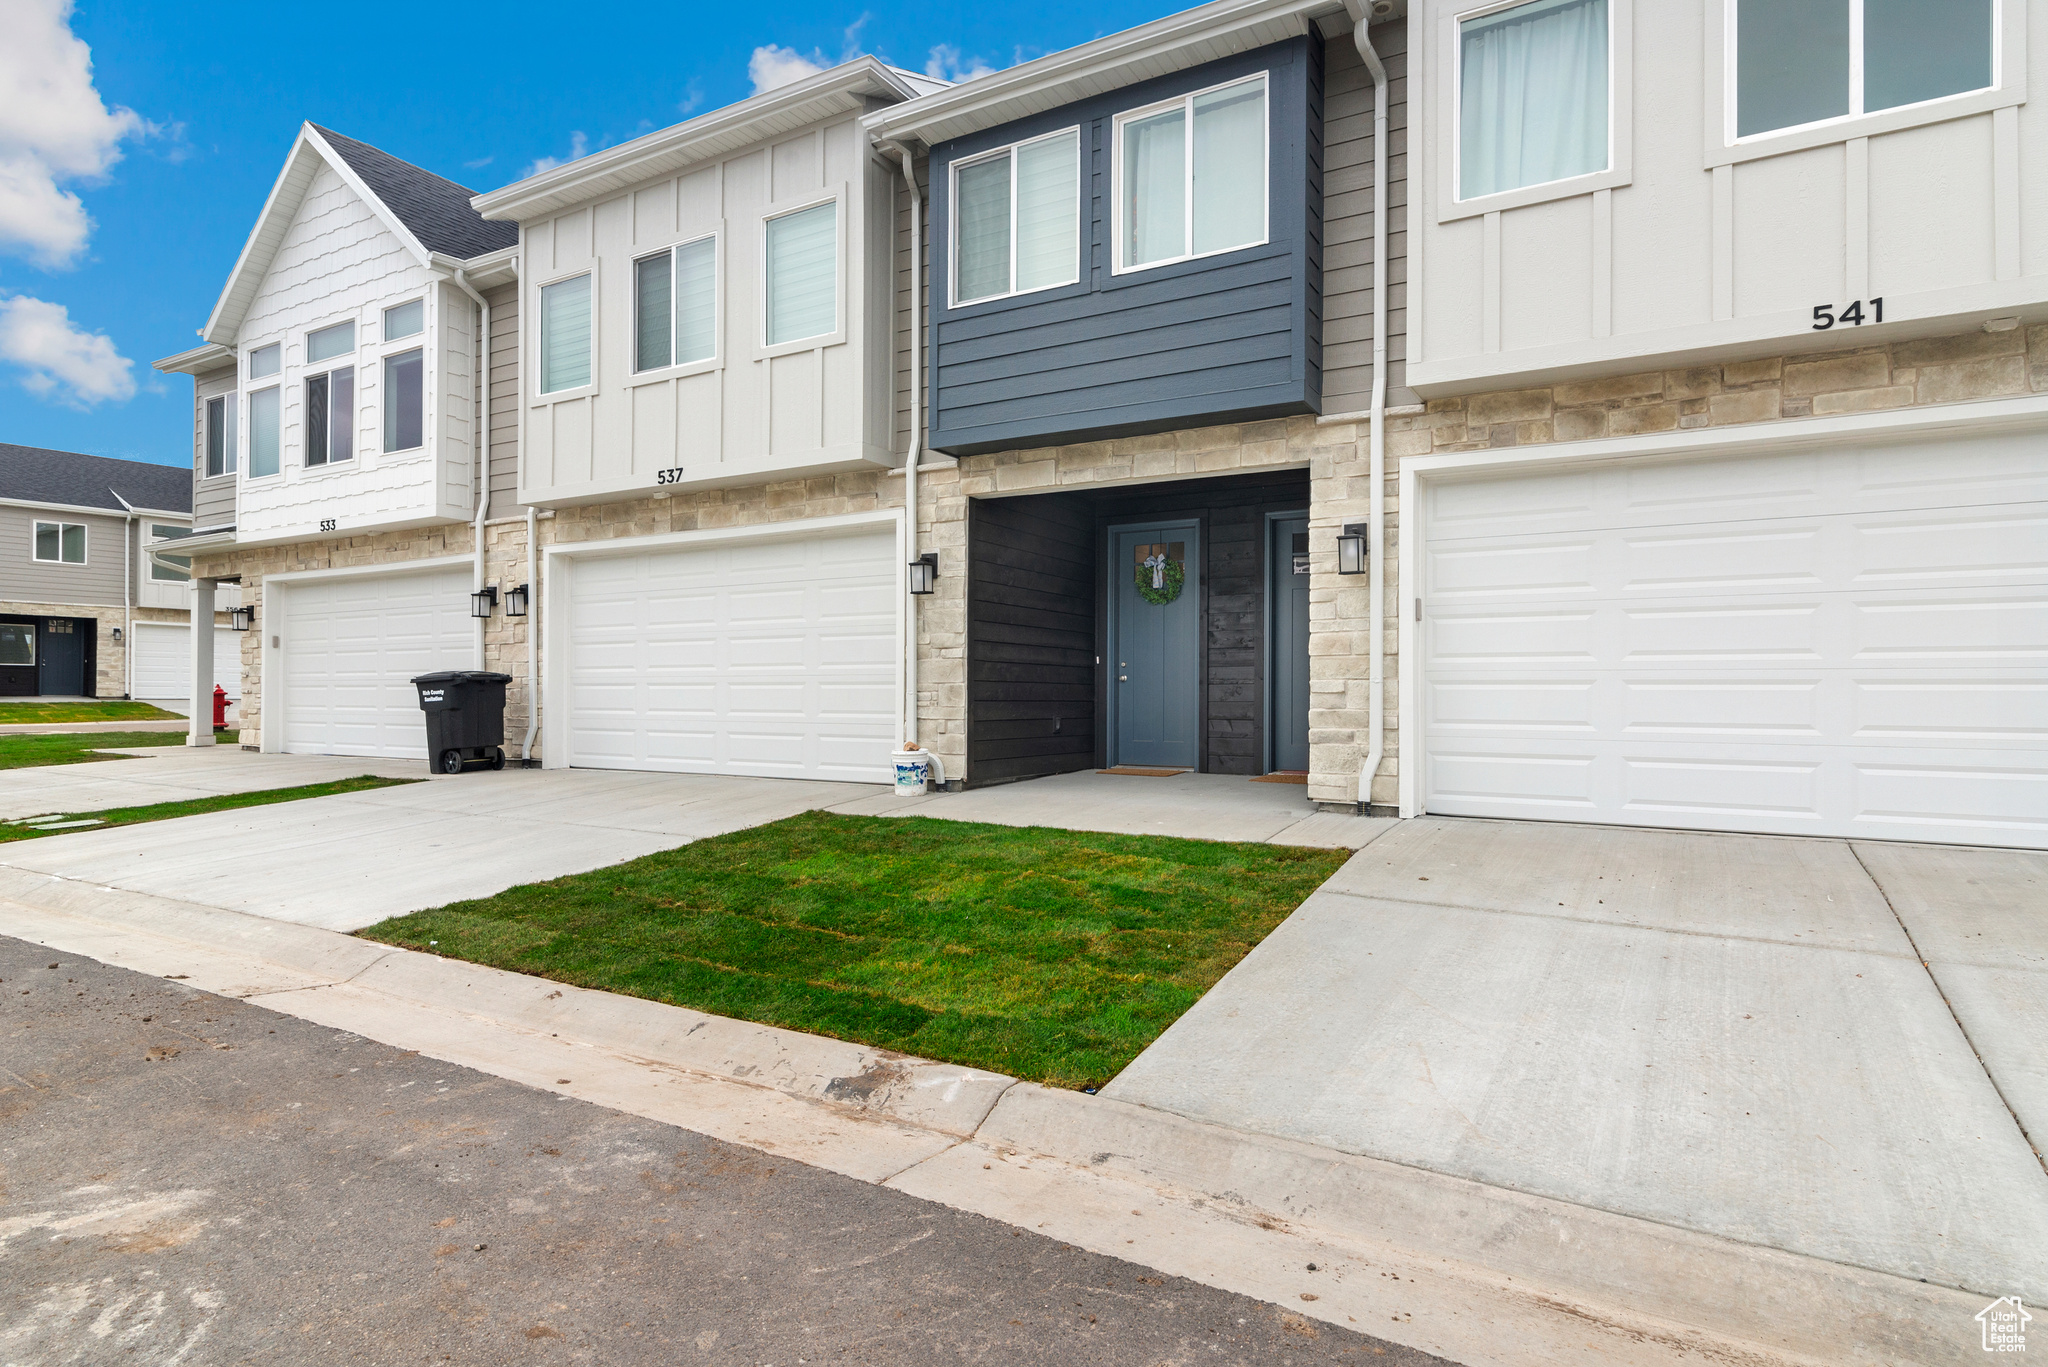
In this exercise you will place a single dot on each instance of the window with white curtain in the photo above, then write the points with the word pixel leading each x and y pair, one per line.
pixel 1534 95
pixel 1191 175
pixel 802 264
pixel 1794 58
pixel 1017 218
pixel 220 435
pixel 675 306
pixel 405 400
pixel 265 425
pixel 565 334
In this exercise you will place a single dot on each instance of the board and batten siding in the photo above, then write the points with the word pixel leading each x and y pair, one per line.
pixel 339 262
pixel 1704 249
pixel 754 412
pixel 1348 226
pixel 1221 338
pixel 24 579
pixel 213 500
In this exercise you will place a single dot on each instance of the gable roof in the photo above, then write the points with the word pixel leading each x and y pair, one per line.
pixel 34 474
pixel 420 208
pixel 435 208
pixel 852 87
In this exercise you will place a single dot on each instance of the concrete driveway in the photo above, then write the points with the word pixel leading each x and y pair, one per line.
pixel 1731 1034
pixel 352 860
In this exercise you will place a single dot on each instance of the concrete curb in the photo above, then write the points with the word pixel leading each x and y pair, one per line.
pixel 1505 1277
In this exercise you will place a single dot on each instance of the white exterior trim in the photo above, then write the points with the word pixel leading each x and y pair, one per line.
pixel 1185 102
pixel 1620 118
pixel 270 685
pixel 558 562
pixel 1723 148
pixel 1975 418
pixel 1010 149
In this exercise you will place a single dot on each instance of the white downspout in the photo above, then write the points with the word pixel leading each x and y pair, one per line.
pixel 1376 578
pixel 910 615
pixel 128 532
pixel 480 448
pixel 532 635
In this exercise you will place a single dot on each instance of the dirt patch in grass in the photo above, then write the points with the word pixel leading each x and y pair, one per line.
pixel 164 811
pixel 1046 954
pixel 23 752
pixel 84 709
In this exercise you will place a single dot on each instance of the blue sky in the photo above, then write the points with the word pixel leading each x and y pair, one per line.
pixel 171 139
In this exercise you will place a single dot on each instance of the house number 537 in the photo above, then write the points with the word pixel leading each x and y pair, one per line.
pixel 1825 317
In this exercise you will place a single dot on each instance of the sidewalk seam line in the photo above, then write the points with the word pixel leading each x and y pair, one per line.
pixel 1928 968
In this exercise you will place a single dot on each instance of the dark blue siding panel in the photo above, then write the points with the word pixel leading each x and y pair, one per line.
pixel 1226 338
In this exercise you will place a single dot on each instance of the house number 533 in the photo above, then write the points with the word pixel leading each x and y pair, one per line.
pixel 1825 317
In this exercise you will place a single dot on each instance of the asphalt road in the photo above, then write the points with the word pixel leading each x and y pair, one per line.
pixel 187 1179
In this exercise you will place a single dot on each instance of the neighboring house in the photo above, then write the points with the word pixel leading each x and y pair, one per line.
pixel 1672 379
pixel 91 605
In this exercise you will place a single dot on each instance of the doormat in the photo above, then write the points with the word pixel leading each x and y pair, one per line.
pixel 1141 772
pixel 1283 776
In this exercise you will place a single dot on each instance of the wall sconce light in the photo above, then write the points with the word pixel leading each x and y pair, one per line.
pixel 117 635
pixel 1351 549
pixel 242 618
pixel 484 601
pixel 515 602
pixel 924 572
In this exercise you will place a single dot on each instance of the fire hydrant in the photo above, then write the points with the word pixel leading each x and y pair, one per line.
pixel 220 708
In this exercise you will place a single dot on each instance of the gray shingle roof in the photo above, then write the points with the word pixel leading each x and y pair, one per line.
pixel 435 208
pixel 36 475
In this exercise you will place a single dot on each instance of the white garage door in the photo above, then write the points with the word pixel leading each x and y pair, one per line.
pixel 1839 642
pixel 350 648
pixel 773 658
pixel 163 661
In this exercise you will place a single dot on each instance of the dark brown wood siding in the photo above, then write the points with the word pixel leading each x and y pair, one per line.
pixel 1037 610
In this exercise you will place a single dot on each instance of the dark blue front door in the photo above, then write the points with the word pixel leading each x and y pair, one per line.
pixel 1155 683
pixel 61 663
pixel 1288 691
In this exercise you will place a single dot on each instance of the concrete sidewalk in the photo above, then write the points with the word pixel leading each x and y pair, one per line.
pixel 1729 1034
pixel 1470 1271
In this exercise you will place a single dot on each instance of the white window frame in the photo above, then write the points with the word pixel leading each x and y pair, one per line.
pixel 1080 200
pixel 85 533
pixel 306 377
pixel 1723 148
pixel 716 360
pixel 1186 104
pixel 581 391
pixel 841 304
pixel 426 320
pixel 152 541
pixel 277 382
pixel 1450 134
pixel 381 351
pixel 231 410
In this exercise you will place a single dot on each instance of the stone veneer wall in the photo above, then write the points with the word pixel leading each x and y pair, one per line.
pixel 1968 366
pixel 110 672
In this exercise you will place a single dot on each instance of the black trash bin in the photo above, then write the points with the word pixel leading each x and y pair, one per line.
pixel 465 711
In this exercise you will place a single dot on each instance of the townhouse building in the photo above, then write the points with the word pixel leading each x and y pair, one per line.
pixel 1671 379
pixel 95 600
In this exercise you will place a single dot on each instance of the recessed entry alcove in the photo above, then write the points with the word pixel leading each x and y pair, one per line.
pixel 1152 624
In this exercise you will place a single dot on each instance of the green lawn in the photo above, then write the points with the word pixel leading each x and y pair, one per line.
pixel 20 752
pixel 164 811
pixel 1050 955
pixel 84 709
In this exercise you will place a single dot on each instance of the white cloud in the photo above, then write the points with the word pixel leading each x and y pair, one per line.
pixel 579 148
pixel 775 65
pixel 946 63
pixel 64 362
pixel 53 128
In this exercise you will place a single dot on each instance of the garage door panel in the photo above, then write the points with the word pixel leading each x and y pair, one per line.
pixel 1847 666
pixel 777 658
pixel 350 650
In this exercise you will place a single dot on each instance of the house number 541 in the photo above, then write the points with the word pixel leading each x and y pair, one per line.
pixel 1825 317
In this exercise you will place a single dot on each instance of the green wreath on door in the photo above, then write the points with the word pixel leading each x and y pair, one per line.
pixel 1175 579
